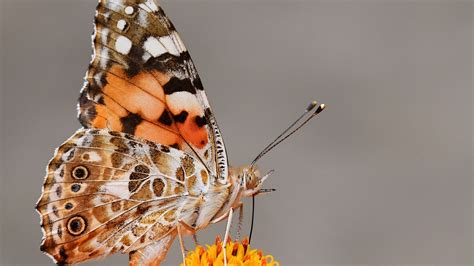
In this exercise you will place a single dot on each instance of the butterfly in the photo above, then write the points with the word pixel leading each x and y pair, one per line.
pixel 149 163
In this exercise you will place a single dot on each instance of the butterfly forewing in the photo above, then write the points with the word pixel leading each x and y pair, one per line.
pixel 108 191
pixel 142 81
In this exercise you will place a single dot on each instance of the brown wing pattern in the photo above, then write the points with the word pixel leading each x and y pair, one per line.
pixel 142 81
pixel 108 191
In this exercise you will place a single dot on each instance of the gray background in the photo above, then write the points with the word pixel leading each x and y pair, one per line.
pixel 382 177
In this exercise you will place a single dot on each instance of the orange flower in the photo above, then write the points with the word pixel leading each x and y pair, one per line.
pixel 238 254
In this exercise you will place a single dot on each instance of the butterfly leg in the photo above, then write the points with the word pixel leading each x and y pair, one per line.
pixel 181 243
pixel 223 216
pixel 226 236
pixel 183 225
pixel 192 230
pixel 188 227
pixel 196 242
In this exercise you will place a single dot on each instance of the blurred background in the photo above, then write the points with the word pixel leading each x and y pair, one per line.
pixel 382 177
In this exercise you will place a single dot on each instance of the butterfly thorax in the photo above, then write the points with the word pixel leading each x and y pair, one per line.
pixel 217 200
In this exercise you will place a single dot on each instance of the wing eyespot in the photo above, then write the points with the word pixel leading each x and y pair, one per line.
pixel 75 187
pixel 68 206
pixel 80 172
pixel 76 225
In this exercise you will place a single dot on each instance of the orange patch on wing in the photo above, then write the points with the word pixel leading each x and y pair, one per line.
pixel 135 98
pixel 161 77
pixel 192 133
pixel 157 134
pixel 143 95
pixel 149 82
pixel 105 118
pixel 114 107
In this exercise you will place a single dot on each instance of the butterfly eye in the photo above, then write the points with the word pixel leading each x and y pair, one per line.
pixel 80 172
pixel 76 225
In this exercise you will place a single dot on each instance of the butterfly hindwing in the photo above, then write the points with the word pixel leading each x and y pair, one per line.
pixel 142 81
pixel 107 191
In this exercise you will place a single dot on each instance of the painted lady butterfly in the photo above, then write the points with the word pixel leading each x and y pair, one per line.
pixel 150 162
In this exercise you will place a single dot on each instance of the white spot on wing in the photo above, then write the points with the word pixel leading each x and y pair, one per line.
pixel 154 47
pixel 98 76
pixel 152 5
pixel 93 156
pixel 167 41
pixel 129 10
pixel 183 100
pixel 149 6
pixel 57 177
pixel 118 189
pixel 121 24
pixel 106 16
pixel 145 57
pixel 54 230
pixel 123 45
pixel 145 7
pixel 178 41
pixel 204 99
pixel 53 196
pixel 97 97
pixel 103 35
pixel 104 55
pixel 66 155
pixel 142 19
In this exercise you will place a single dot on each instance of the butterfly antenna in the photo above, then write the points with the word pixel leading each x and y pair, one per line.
pixel 282 136
pixel 308 109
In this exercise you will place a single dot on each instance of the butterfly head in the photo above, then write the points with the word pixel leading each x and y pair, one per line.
pixel 251 180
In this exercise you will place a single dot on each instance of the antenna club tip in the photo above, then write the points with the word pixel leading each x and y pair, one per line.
pixel 311 105
pixel 320 109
